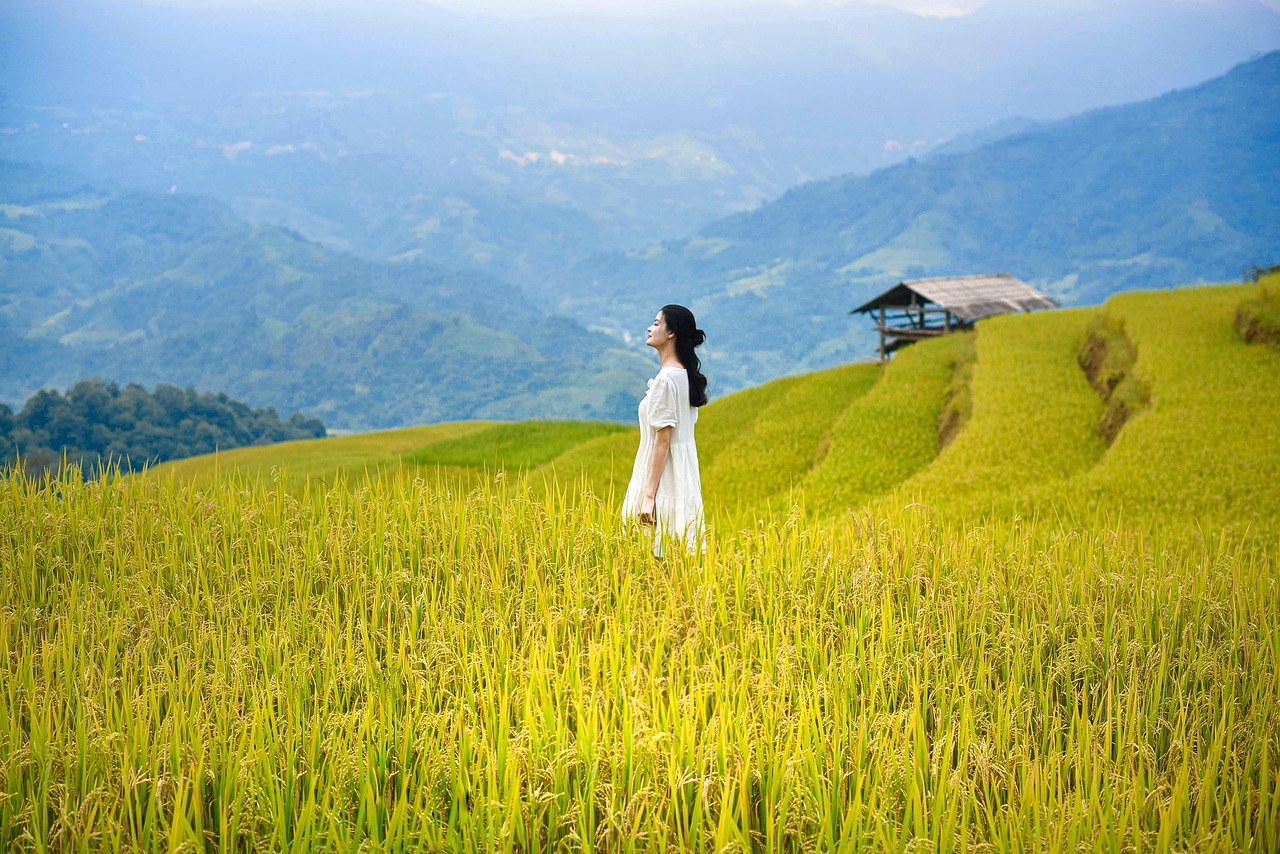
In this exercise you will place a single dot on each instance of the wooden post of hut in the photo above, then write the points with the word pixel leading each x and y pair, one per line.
pixel 881 328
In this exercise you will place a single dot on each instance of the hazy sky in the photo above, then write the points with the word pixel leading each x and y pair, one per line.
pixel 923 7
pixel 937 8
pixel 931 8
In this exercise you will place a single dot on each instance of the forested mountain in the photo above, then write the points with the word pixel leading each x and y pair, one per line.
pixel 99 424
pixel 156 288
pixel 1181 188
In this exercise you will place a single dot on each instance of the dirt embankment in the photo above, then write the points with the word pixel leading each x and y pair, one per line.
pixel 1258 319
pixel 958 405
pixel 1107 357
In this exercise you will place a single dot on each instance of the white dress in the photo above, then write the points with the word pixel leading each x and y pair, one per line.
pixel 678 503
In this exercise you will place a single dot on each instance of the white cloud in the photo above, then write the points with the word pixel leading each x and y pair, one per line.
pixel 232 151
pixel 933 8
pixel 521 159
pixel 557 157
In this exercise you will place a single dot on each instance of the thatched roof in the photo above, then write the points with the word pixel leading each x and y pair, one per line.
pixel 967 297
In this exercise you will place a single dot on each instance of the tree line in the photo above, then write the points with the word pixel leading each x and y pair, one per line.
pixel 96 423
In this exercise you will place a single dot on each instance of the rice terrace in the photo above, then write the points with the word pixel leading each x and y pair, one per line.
pixel 443 638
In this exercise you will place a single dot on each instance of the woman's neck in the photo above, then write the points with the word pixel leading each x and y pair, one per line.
pixel 667 357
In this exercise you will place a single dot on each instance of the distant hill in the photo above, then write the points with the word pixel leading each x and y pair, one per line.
pixel 1178 189
pixel 1002 129
pixel 99 424
pixel 155 288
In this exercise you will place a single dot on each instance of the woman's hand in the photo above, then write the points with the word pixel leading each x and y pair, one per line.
pixel 646 511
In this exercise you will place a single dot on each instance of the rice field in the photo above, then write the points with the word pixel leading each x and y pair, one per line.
pixel 1033 417
pixel 1027 641
pixel 884 437
pixel 791 436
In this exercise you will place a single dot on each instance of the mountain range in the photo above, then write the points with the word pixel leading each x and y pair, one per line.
pixel 151 288
pixel 539 313
pixel 1174 190
pixel 522 144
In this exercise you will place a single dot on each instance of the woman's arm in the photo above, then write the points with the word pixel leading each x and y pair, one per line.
pixel 657 464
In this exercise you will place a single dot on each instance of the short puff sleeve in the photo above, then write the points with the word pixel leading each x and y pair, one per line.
pixel 663 399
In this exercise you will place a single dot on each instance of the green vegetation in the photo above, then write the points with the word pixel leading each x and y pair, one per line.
pixel 1033 417
pixel 726 421
pixel 1199 459
pixel 1202 457
pixel 1107 358
pixel 889 434
pixel 1026 640
pixel 159 288
pixel 517 446
pixel 788 438
pixel 322 463
pixel 97 421
pixel 601 466
pixel 1258 317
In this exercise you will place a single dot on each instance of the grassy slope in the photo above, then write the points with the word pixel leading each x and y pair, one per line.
pixel 318 459
pixel 600 462
pixel 516 445
pixel 1203 457
pixel 787 440
pixel 857 435
pixel 884 437
pixel 1033 417
pixel 1206 452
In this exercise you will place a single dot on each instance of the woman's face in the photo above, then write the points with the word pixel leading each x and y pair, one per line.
pixel 658 332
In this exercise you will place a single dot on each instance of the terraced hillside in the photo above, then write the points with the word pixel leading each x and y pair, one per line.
pixel 861 435
pixel 1203 456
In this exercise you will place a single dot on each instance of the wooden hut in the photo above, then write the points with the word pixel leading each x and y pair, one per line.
pixel 915 309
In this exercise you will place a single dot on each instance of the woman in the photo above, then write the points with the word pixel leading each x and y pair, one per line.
pixel 666 489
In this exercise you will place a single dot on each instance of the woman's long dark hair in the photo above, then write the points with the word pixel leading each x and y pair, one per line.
pixel 688 335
